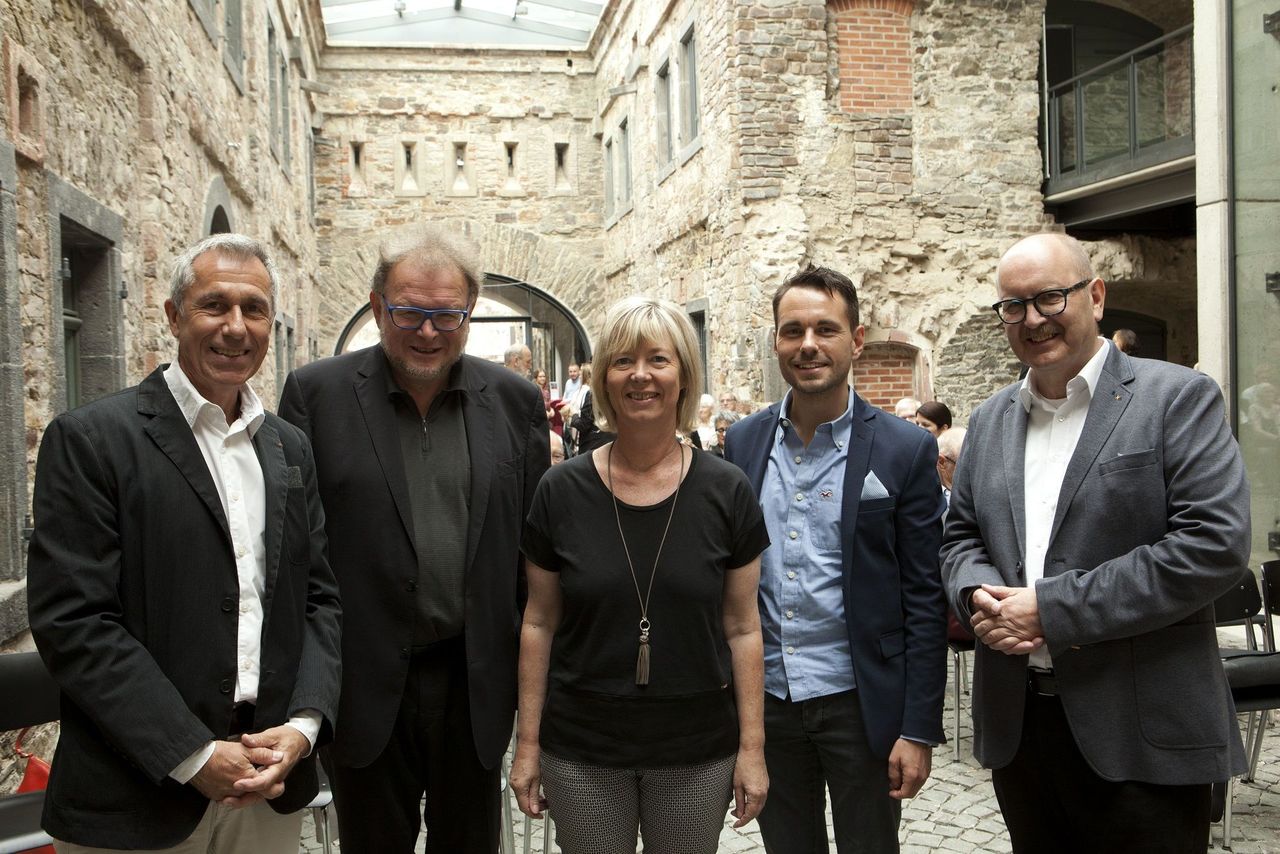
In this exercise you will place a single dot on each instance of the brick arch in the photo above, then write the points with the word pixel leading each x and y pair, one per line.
pixel 886 372
pixel 873 48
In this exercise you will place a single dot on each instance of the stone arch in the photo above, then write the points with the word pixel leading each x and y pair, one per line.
pixel 568 275
pixel 218 212
pixel 893 365
pixel 973 364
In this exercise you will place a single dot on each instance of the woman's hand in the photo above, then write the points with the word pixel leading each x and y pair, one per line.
pixel 526 780
pixel 750 785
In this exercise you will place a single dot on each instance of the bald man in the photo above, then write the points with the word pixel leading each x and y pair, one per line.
pixel 1099 508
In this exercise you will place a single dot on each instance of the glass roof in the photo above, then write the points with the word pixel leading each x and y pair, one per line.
pixel 563 24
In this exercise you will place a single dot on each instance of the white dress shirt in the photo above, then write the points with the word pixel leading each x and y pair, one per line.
pixel 1053 431
pixel 228 452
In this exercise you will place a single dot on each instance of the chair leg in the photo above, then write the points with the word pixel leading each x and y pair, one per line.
pixel 955 739
pixel 507 844
pixel 1263 717
pixel 320 817
pixel 964 672
pixel 548 832
pixel 1226 814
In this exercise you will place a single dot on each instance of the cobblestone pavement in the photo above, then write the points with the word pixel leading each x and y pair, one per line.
pixel 957 811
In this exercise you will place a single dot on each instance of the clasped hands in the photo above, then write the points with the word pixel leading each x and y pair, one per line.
pixel 244 772
pixel 1007 619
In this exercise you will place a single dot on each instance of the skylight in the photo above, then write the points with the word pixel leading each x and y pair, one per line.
pixel 556 24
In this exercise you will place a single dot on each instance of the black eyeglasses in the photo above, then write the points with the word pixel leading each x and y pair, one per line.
pixel 1048 302
pixel 410 317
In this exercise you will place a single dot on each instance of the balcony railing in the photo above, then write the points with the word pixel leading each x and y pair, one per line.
pixel 1128 114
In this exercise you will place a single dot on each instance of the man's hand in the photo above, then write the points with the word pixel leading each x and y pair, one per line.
pixel 909 764
pixel 284 742
pixel 750 785
pixel 1007 619
pixel 230 763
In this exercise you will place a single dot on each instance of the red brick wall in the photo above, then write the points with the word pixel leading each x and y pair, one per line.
pixel 885 374
pixel 873 45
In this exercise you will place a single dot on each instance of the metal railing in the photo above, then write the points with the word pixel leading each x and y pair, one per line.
pixel 1128 113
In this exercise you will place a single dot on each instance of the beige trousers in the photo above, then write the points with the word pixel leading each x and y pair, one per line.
pixel 256 829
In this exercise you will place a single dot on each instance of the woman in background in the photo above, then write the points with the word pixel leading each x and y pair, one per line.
pixel 934 417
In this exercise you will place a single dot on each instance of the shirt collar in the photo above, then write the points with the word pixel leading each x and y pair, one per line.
pixel 1086 381
pixel 193 404
pixel 841 428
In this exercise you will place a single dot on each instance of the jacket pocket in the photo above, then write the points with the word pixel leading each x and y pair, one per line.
pixel 893 643
pixel 1127 461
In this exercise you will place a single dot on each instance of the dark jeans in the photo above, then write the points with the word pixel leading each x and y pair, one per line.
pixel 1053 801
pixel 431 751
pixel 812 746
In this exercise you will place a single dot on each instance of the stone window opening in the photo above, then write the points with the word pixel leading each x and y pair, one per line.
pixel 87 291
pixel 511 162
pixel 608 179
pixel 459 170
pixel 286 349
pixel 28 105
pixel 357 184
pixel 286 153
pixel 662 113
pixel 624 166
pixel 562 182
pixel 273 90
pixel 690 114
pixel 873 55
pixel 233 41
pixel 408 170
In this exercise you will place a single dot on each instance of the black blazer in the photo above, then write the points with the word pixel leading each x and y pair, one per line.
pixel 133 600
pixel 342 405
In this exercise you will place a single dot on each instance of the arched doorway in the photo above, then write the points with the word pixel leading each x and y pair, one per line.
pixel 508 312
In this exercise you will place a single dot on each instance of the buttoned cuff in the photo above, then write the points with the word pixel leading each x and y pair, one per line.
pixel 927 742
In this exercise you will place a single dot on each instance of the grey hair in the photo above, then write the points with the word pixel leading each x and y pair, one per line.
pixel 431 247
pixel 238 246
pixel 950 443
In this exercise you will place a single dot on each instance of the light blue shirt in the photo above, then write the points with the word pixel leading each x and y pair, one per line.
pixel 806 639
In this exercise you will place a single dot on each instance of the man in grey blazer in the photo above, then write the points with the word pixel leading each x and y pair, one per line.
pixel 1099 508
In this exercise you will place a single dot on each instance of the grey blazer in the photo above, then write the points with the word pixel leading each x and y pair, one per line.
pixel 1152 525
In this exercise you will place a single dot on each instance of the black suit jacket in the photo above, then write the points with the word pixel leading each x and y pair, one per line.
pixel 342 404
pixel 134 602
pixel 893 599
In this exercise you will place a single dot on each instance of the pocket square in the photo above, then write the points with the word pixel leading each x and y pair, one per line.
pixel 872 487
pixel 293 477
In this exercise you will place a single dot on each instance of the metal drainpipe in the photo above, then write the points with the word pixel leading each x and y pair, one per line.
pixel 1232 359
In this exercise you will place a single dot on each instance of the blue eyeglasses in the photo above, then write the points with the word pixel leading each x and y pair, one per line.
pixel 411 317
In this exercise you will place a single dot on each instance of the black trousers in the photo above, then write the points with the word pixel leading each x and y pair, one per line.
pixel 431 752
pixel 1053 801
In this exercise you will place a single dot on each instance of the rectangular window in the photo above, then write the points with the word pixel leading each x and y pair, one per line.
pixel 624 164
pixel 273 90
pixel 662 110
pixel 285 123
pixel 608 178
pixel 233 41
pixel 691 119
pixel 562 183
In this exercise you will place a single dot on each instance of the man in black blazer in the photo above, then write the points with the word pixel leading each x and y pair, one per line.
pixel 427 461
pixel 179 592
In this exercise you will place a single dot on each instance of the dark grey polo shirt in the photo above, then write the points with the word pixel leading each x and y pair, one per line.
pixel 437 469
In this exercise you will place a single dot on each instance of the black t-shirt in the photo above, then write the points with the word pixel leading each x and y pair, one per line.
pixel 594 711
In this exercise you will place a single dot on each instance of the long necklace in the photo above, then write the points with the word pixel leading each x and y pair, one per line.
pixel 642 657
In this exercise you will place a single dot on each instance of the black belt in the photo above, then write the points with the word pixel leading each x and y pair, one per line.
pixel 1042 682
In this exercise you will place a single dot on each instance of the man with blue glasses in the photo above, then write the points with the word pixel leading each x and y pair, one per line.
pixel 1099 508
pixel 427 460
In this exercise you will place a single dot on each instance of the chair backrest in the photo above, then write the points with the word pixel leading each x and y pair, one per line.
pixel 30 694
pixel 1240 604
pixel 1270 578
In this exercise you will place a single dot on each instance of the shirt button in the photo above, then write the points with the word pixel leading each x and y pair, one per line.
pixel 235 496
pixel 790 614
pixel 793 534
pixel 244 607
pixel 246 665
pixel 791 650
pixel 839 443
pixel 791 573
pixel 1061 418
pixel 240 551
pixel 799 496
pixel 799 459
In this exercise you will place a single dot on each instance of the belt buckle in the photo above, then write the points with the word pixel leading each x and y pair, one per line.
pixel 1042 682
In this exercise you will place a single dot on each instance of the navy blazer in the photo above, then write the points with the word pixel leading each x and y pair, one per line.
pixel 134 602
pixel 893 599
pixel 341 403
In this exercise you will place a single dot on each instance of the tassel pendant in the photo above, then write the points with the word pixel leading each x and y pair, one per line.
pixel 642 659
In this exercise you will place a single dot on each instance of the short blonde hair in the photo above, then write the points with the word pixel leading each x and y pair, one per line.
pixel 643 320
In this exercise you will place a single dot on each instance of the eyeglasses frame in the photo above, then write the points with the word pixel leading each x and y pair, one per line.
pixel 426 314
pixel 997 306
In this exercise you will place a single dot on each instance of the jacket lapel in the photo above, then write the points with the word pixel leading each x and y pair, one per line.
pixel 856 466
pixel 757 440
pixel 168 428
pixel 380 421
pixel 477 414
pixel 270 451
pixel 1110 399
pixel 1013 450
